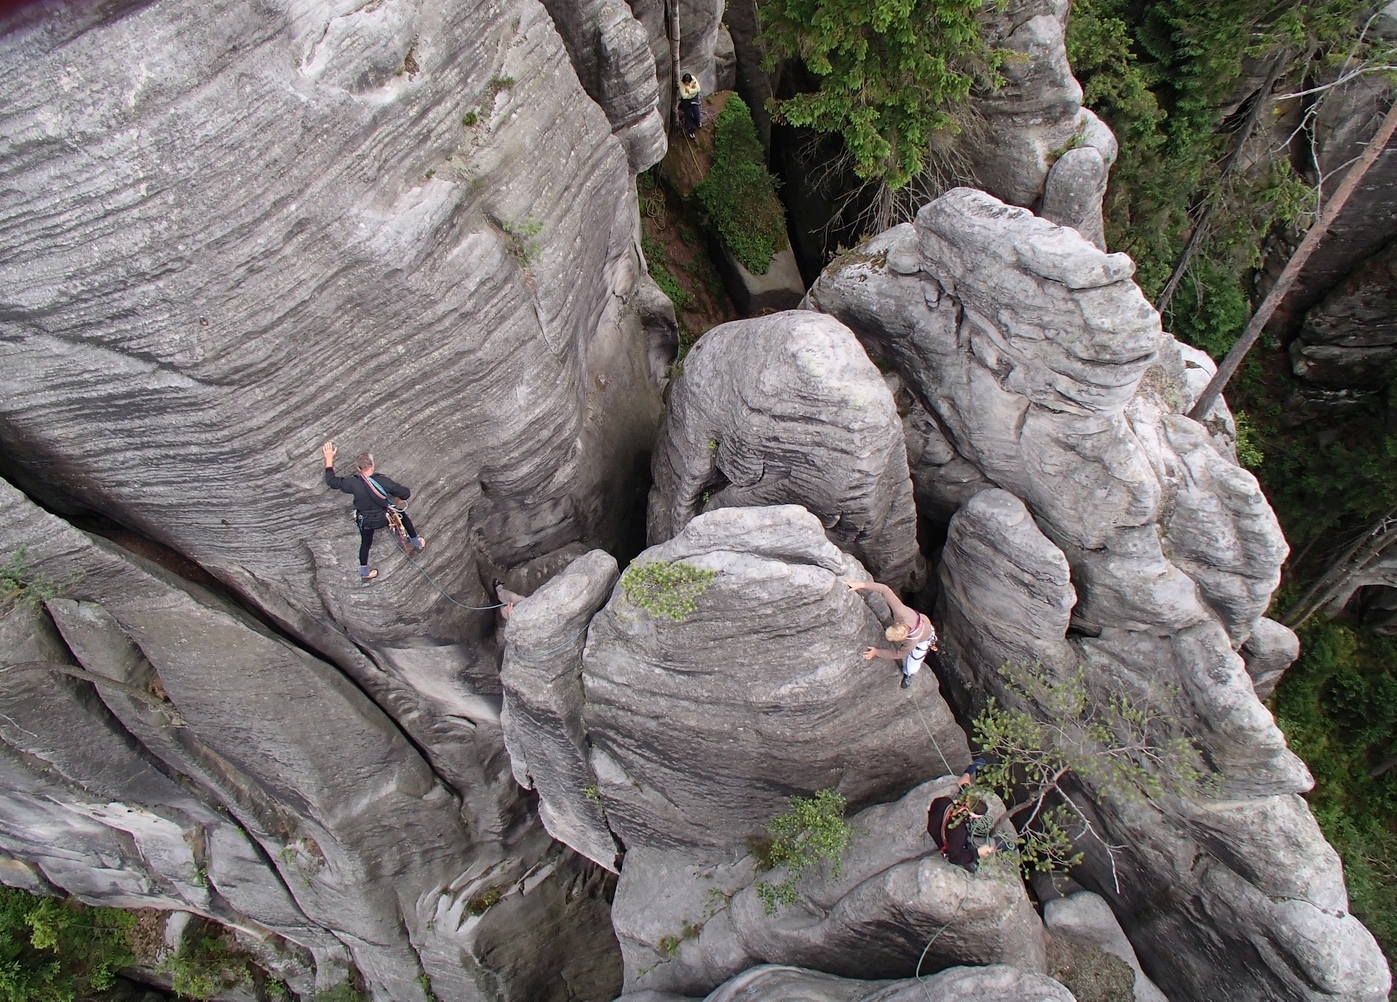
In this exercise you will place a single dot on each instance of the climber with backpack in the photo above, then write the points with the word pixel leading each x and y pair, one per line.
pixel 956 823
pixel 912 632
pixel 377 504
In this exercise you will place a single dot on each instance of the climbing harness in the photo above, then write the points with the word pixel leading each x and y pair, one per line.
pixel 392 512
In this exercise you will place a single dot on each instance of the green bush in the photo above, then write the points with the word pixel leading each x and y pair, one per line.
pixel 739 193
pixel 665 589
pixel 59 951
pixel 208 963
pixel 813 829
pixel 891 73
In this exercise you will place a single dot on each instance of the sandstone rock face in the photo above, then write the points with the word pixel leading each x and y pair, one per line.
pixel 788 409
pixel 701 727
pixel 1043 367
pixel 542 716
pixel 1075 187
pixel 377 257
pixel 294 789
pixel 687 926
pixel 1037 113
pixel 1086 916
pixel 610 51
pixel 1268 652
pixel 1349 340
pixel 1347 119
pixel 774 983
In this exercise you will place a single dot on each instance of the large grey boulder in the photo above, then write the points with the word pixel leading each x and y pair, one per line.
pixel 542 716
pixel 687 926
pixel 779 983
pixel 1037 114
pixel 1119 518
pixel 788 409
pixel 393 236
pixel 1086 916
pixel 293 790
pixel 1075 187
pixel 1268 652
pixel 704 719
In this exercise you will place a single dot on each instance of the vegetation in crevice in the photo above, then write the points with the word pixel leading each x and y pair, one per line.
pixel 891 75
pixel 812 830
pixel 53 950
pixel 677 258
pixel 739 193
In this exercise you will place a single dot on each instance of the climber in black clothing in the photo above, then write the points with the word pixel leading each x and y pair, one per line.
pixel 373 494
pixel 950 822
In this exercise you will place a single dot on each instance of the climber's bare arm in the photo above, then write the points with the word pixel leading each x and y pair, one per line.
pixel 899 611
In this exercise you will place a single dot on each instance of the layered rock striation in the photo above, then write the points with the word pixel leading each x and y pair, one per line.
pixel 787 409
pixel 1114 538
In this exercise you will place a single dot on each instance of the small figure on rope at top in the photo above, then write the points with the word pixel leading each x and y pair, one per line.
pixel 690 105
pixel 377 502
pixel 911 632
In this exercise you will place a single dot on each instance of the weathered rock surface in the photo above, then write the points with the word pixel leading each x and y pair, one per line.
pixel 542 716
pixel 1038 112
pixel 1087 916
pixel 1345 122
pixel 1349 340
pixel 1075 187
pixel 788 409
pixel 780 287
pixel 702 727
pixel 293 790
pixel 377 256
pixel 688 926
pixel 774 983
pixel 1268 652
pixel 1045 368
pixel 610 51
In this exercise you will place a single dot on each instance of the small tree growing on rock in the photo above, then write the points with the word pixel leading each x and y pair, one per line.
pixel 1117 745
pixel 813 829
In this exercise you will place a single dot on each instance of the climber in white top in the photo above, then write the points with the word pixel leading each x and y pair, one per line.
pixel 690 108
pixel 911 632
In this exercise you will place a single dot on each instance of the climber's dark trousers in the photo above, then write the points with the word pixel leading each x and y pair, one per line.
pixel 366 538
pixel 692 113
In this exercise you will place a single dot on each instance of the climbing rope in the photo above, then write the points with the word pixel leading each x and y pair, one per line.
pixel 430 580
pixel 927 727
pixel 935 936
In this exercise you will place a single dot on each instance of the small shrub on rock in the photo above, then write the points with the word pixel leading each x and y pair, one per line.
pixel 740 194
pixel 812 830
pixel 664 588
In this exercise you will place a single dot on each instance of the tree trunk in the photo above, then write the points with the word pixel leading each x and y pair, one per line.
pixel 673 7
pixel 1367 548
pixel 1195 239
pixel 1294 266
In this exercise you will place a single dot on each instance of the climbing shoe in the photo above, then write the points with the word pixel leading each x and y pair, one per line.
pixel 419 542
pixel 907 681
pixel 368 575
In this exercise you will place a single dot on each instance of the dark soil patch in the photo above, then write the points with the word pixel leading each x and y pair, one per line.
pixel 1089 972
pixel 677 252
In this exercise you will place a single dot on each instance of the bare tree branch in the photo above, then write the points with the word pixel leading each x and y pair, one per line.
pixel 101 681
